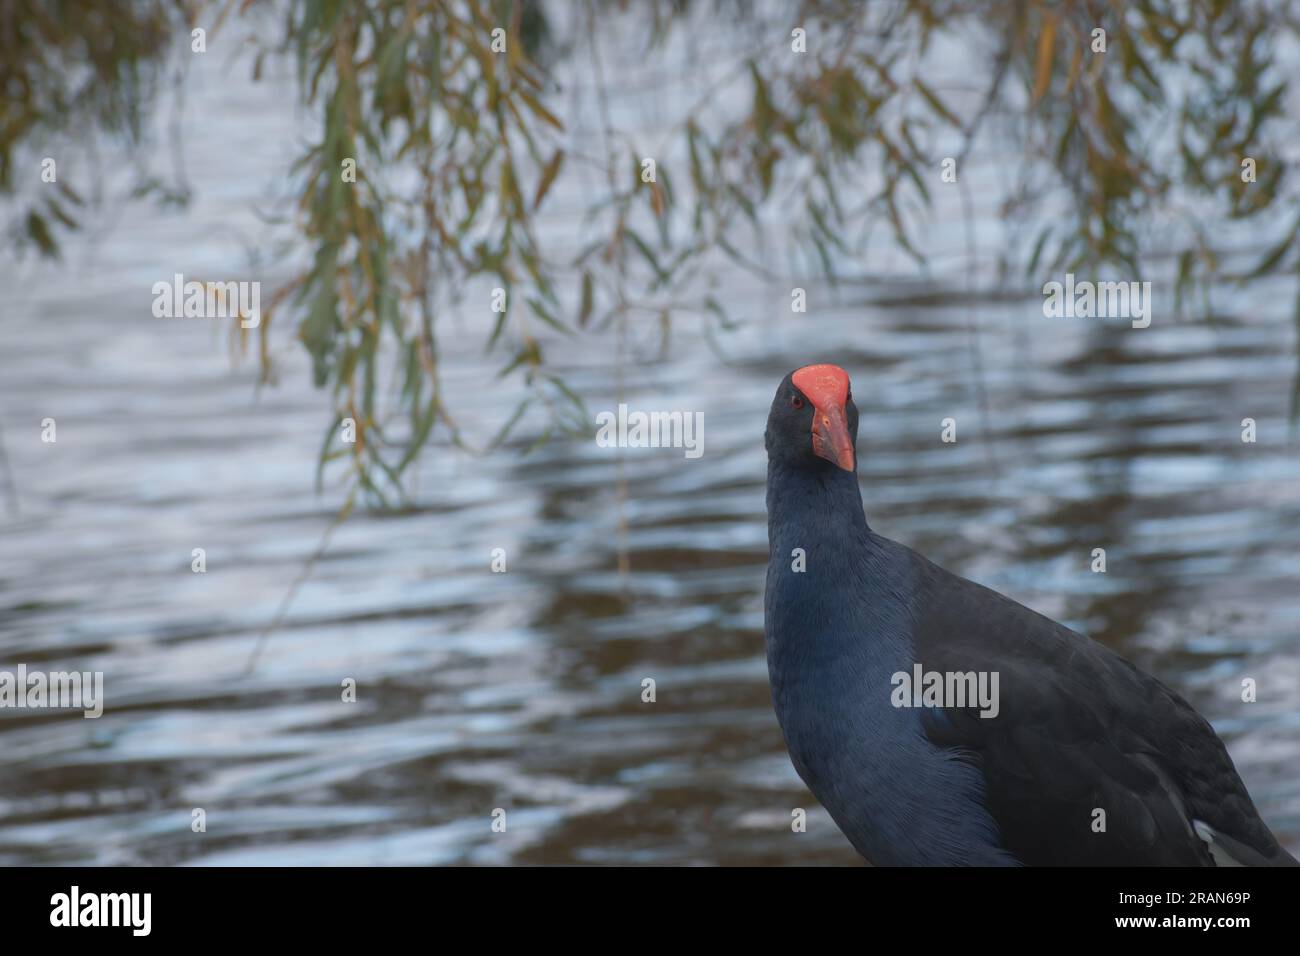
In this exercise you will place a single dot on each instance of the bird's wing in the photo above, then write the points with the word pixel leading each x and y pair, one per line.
pixel 1079 730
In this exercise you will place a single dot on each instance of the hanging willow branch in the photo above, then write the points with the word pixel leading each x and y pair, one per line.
pixel 449 116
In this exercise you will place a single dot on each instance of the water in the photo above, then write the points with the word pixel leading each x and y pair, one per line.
pixel 522 690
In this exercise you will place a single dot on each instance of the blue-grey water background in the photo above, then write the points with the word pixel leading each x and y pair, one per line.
pixel 522 690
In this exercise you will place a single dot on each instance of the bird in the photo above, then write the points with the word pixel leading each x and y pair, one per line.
pixel 1082 760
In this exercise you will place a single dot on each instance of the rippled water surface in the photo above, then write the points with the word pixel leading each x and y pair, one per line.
pixel 523 690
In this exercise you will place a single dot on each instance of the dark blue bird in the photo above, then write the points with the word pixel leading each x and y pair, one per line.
pixel 1030 744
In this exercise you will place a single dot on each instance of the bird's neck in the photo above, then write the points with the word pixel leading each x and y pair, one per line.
pixel 821 503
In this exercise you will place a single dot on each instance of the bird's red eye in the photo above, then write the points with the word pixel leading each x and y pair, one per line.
pixel 796 401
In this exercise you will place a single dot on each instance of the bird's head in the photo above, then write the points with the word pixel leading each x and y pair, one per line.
pixel 814 423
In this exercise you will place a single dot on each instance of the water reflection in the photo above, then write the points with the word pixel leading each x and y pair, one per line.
pixel 523 690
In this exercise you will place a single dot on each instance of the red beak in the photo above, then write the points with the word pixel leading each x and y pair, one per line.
pixel 831 437
pixel 827 387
